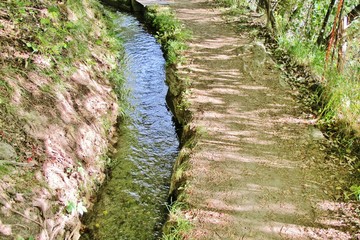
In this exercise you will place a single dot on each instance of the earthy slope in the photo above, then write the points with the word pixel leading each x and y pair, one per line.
pixel 258 172
pixel 57 109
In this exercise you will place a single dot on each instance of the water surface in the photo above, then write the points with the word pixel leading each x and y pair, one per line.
pixel 132 204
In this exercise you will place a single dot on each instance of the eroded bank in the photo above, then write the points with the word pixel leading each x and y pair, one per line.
pixel 58 107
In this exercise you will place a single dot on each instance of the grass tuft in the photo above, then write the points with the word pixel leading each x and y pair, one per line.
pixel 170 33
pixel 178 225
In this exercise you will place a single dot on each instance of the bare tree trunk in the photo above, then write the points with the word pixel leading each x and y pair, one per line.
pixel 337 34
pixel 309 16
pixel 271 16
pixel 333 32
pixel 342 45
pixel 320 39
pixel 352 15
pixel 270 19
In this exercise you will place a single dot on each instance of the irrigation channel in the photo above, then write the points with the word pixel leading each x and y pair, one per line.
pixel 132 203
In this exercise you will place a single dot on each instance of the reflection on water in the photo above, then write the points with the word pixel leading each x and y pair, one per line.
pixel 132 204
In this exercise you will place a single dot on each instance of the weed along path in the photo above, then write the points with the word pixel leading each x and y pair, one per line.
pixel 257 171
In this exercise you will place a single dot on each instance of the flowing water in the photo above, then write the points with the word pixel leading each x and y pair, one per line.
pixel 132 204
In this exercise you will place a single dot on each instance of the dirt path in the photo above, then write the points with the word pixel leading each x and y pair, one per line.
pixel 258 172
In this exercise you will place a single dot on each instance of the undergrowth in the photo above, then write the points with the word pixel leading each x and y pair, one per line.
pixel 58 35
pixel 177 224
pixel 340 96
pixel 338 107
pixel 170 33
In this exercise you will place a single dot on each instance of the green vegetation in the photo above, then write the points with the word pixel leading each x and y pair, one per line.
pixel 169 32
pixel 355 191
pixel 303 31
pixel 177 225
pixel 57 35
pixel 72 207
pixel 53 55
pixel 50 40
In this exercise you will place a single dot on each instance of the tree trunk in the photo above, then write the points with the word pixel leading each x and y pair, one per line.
pixel 352 15
pixel 266 5
pixel 308 17
pixel 342 45
pixel 272 17
pixel 338 33
pixel 333 32
pixel 320 39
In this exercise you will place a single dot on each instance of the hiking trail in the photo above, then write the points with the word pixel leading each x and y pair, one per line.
pixel 259 171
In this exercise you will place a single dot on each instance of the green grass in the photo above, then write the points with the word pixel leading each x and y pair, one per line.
pixel 56 36
pixel 170 33
pixel 63 35
pixel 342 101
pixel 304 52
pixel 177 226
pixel 5 91
pixel 341 93
pixel 232 3
pixel 4 170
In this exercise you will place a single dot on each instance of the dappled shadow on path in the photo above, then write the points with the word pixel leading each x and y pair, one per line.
pixel 252 173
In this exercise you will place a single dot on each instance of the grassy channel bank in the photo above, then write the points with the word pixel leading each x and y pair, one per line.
pixel 60 92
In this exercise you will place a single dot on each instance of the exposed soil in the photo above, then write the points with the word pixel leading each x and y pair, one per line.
pixel 54 133
pixel 260 171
